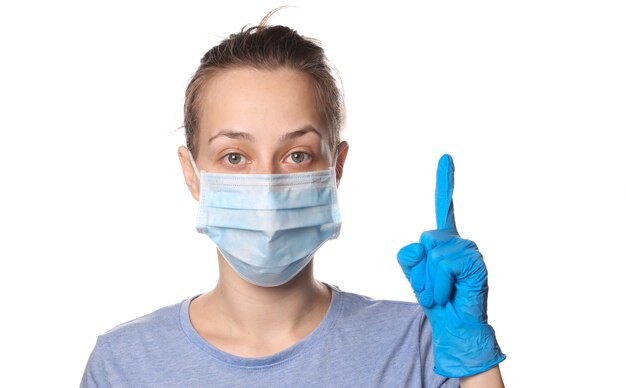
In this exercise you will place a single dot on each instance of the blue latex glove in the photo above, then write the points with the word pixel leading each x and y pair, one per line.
pixel 449 278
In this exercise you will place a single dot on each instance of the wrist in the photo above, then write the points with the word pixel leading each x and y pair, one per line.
pixel 465 351
pixel 491 378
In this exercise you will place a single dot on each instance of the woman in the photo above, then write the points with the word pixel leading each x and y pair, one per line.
pixel 263 116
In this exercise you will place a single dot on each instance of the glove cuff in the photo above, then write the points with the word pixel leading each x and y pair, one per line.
pixel 473 351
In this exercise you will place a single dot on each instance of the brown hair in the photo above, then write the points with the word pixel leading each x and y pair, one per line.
pixel 269 47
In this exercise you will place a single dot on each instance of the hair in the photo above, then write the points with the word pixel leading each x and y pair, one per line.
pixel 269 48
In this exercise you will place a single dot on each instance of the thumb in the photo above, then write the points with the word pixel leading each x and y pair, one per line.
pixel 410 256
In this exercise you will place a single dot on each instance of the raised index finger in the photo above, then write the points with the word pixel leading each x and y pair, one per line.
pixel 444 208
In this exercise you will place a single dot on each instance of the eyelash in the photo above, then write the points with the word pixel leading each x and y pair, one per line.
pixel 226 159
pixel 307 157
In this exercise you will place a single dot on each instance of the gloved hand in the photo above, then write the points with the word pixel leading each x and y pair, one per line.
pixel 449 278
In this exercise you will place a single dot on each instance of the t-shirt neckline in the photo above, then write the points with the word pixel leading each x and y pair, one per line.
pixel 296 349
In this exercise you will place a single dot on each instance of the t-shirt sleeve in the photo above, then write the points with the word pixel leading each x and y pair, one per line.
pixel 95 375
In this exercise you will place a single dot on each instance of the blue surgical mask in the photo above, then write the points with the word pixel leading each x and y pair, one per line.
pixel 268 226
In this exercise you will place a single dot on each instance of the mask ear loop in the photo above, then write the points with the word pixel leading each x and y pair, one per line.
pixel 193 164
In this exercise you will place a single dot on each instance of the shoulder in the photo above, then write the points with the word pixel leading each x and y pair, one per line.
pixel 373 313
pixel 157 320
pixel 361 304
pixel 135 348
pixel 154 328
pixel 395 333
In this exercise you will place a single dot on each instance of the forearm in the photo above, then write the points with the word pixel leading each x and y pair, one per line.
pixel 488 379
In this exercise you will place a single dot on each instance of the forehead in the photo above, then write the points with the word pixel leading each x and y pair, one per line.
pixel 255 99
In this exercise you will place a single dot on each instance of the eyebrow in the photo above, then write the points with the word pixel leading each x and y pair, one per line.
pixel 232 134
pixel 299 133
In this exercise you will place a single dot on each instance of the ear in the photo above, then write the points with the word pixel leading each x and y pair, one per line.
pixel 188 172
pixel 342 154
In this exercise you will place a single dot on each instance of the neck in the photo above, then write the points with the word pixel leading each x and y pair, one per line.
pixel 267 318
pixel 264 308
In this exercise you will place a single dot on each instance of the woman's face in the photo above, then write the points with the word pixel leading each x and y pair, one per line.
pixel 260 122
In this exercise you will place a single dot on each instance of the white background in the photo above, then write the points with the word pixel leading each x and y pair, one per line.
pixel 97 226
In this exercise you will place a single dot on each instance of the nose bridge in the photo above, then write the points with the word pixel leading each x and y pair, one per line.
pixel 265 165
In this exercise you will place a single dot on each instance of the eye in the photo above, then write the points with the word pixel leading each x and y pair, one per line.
pixel 234 159
pixel 298 157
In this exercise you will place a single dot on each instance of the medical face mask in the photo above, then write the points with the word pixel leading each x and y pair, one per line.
pixel 268 226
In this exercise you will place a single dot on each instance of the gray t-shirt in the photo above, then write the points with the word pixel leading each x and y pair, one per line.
pixel 360 343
